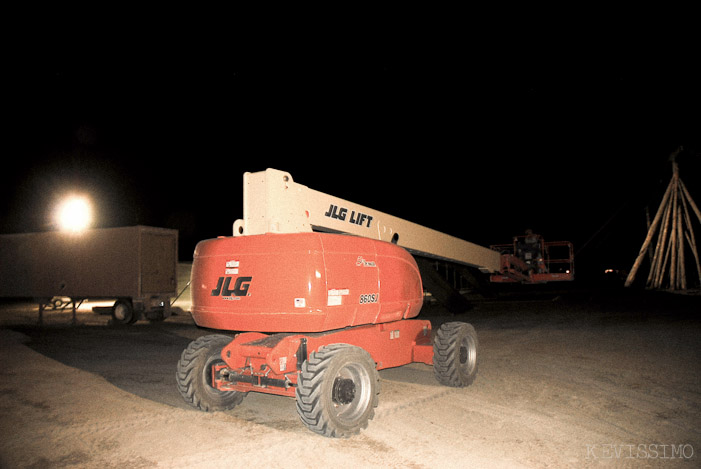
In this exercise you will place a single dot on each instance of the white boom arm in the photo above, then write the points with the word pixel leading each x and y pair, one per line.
pixel 274 203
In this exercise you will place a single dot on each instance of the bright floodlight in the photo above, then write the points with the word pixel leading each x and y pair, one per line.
pixel 74 214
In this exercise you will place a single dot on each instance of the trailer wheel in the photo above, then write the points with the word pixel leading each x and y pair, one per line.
pixel 337 390
pixel 455 354
pixel 194 375
pixel 123 312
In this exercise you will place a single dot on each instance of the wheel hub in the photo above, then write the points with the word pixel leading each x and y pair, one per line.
pixel 120 312
pixel 343 391
pixel 463 355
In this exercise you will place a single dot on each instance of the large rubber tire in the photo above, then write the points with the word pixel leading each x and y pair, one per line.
pixel 123 312
pixel 194 375
pixel 455 350
pixel 337 390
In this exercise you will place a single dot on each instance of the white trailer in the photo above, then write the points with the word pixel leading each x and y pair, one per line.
pixel 136 266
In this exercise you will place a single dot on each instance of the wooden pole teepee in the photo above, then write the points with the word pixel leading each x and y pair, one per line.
pixel 673 226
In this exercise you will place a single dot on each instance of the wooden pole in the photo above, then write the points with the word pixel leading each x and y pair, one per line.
pixel 650 251
pixel 689 234
pixel 691 201
pixel 660 251
pixel 692 243
pixel 673 239
pixel 650 233
pixel 661 267
pixel 681 266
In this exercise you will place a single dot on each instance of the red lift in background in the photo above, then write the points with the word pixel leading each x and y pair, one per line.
pixel 530 259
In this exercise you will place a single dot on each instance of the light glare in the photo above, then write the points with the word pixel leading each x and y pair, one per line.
pixel 74 214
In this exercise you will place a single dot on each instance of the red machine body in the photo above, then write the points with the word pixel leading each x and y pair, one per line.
pixel 302 282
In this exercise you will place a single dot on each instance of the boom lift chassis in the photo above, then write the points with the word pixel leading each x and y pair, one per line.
pixel 326 291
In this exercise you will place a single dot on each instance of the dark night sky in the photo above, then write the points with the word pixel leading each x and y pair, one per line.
pixel 570 138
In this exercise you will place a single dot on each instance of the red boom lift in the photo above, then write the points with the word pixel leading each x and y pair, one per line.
pixel 327 291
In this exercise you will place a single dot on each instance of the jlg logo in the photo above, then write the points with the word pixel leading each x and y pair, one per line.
pixel 240 286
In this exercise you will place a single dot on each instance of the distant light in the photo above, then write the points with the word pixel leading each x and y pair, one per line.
pixel 608 271
pixel 74 214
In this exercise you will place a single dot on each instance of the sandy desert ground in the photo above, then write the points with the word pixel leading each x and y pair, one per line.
pixel 586 378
